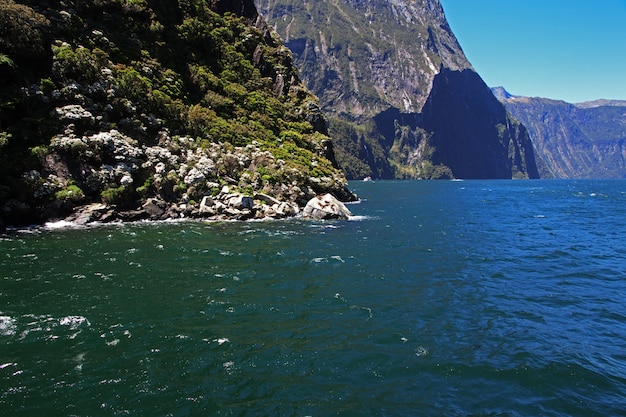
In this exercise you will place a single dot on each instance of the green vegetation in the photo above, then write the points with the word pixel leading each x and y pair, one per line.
pixel 5 60
pixel 370 150
pixel 71 193
pixel 142 71
pixel 361 59
pixel 113 195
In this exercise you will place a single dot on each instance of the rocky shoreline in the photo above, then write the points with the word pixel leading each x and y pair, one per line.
pixel 144 123
pixel 222 207
pixel 180 180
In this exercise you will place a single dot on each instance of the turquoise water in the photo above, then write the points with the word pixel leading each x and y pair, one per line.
pixel 473 298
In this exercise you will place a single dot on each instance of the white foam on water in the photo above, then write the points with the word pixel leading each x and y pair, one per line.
pixel 105 277
pixel 74 322
pixel 325 260
pixel 80 360
pixel 6 365
pixel 61 224
pixel 340 297
pixel 228 366
pixel 8 326
pixel 359 218
pixel 49 327
pixel 421 351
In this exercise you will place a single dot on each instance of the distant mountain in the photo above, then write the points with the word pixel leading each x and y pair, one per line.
pixel 601 103
pixel 402 99
pixel 583 140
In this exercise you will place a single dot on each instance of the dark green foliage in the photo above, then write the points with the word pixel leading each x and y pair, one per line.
pixel 373 149
pixel 71 193
pixel 23 32
pixel 357 157
pixel 142 67
pixel 114 195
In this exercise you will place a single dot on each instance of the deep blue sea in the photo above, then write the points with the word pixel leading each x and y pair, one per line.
pixel 448 298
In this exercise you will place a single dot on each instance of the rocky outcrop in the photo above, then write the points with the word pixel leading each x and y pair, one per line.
pixel 585 140
pixel 226 205
pixel 403 100
pixel 325 207
pixel 183 180
pixel 155 110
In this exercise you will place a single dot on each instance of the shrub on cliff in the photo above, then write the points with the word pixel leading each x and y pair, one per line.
pixel 169 79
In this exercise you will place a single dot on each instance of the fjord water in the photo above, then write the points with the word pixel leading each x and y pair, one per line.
pixel 501 298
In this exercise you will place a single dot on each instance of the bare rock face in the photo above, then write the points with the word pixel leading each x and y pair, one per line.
pixel 326 207
pixel 397 89
pixel 361 57
pixel 573 140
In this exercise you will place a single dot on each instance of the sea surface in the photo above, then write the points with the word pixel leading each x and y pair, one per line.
pixel 448 298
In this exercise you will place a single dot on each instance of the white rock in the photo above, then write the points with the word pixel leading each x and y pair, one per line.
pixel 126 180
pixel 194 176
pixel 324 207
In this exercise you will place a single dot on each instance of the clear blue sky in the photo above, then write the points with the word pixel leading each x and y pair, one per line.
pixel 572 50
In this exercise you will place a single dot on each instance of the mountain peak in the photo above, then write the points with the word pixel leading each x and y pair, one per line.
pixel 361 57
pixel 388 73
pixel 501 93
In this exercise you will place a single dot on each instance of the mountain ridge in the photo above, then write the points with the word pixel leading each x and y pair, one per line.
pixel 574 140
pixel 364 59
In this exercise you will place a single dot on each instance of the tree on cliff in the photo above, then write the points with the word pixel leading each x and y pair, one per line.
pixel 120 102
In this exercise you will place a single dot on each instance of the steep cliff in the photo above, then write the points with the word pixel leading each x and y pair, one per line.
pixel 376 64
pixel 584 140
pixel 154 109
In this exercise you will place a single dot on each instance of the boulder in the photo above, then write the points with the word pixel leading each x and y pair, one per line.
pixel 154 208
pixel 287 210
pixel 266 199
pixel 87 214
pixel 325 207
pixel 207 202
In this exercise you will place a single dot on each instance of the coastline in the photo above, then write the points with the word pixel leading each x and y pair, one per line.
pixel 225 207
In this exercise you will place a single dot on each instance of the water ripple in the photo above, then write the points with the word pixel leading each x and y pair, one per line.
pixel 460 298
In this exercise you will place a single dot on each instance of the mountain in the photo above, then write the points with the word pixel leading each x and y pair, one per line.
pixel 584 140
pixel 601 103
pixel 401 97
pixel 154 109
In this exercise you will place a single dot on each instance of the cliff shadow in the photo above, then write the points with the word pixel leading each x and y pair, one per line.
pixel 472 132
